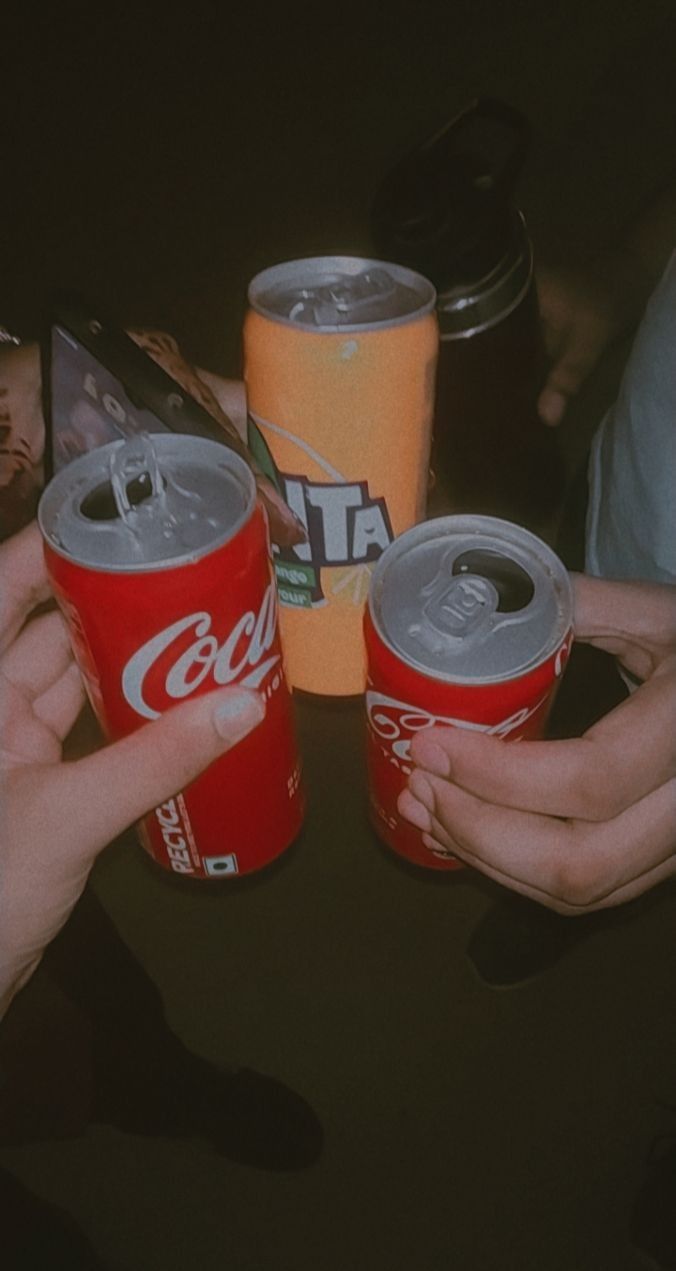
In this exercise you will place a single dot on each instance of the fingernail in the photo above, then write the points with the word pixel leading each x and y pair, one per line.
pixel 427 754
pixel 237 714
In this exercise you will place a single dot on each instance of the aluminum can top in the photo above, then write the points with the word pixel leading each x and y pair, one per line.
pixel 143 502
pixel 341 294
pixel 470 599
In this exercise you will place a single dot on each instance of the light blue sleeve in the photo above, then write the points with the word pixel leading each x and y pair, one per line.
pixel 631 521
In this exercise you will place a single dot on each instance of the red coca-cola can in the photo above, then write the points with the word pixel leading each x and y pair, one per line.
pixel 468 624
pixel 158 554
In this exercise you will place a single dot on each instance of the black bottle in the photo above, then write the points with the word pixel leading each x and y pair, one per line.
pixel 446 210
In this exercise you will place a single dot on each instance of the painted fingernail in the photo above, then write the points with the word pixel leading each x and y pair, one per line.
pixel 430 756
pixel 237 714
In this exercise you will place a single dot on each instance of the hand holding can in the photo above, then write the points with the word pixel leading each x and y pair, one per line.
pixel 157 552
pixel 468 624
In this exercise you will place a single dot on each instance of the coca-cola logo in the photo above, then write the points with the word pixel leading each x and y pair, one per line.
pixel 178 659
pixel 395 723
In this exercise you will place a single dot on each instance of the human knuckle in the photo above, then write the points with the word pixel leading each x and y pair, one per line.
pixel 578 884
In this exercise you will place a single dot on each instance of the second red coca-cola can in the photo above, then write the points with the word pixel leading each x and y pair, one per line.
pixel 468 624
pixel 158 554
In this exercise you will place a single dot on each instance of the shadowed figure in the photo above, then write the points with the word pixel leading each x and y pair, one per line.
pixel 87 1042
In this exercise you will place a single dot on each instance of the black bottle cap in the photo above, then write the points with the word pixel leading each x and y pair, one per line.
pixel 446 208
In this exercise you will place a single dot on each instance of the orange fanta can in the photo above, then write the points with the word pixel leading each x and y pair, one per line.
pixel 339 360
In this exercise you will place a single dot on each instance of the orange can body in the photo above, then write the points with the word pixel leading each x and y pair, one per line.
pixel 339 361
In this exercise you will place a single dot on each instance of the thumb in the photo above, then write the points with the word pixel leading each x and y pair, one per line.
pixel 579 319
pixel 104 793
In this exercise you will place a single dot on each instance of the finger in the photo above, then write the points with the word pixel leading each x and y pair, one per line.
pixel 575 354
pixel 34 732
pixel 572 368
pixel 101 795
pixel 444 852
pixel 20 399
pixel 231 397
pixel 158 344
pixel 39 655
pixel 24 580
pixel 552 405
pixel 576 863
pixel 59 707
pixel 164 350
pixel 564 381
pixel 446 848
pixel 414 811
pixel 630 752
pixel 436 838
pixel 532 776
pixel 644 882
pixel 285 528
pixel 635 621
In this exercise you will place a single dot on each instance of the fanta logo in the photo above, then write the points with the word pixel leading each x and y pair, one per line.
pixel 187 652
pixel 345 525
pixel 395 723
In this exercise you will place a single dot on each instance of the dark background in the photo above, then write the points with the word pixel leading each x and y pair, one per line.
pixel 157 161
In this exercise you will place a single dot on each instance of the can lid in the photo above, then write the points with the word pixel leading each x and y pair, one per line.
pixel 146 502
pixel 471 599
pixel 341 293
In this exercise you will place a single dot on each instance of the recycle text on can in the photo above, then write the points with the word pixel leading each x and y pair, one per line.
pixel 158 554
pixel 339 361
pixel 468 624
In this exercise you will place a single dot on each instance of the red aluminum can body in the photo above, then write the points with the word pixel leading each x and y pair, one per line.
pixel 403 698
pixel 148 637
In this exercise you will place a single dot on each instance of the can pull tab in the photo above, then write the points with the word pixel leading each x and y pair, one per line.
pixel 467 597
pixel 350 299
pixel 135 476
